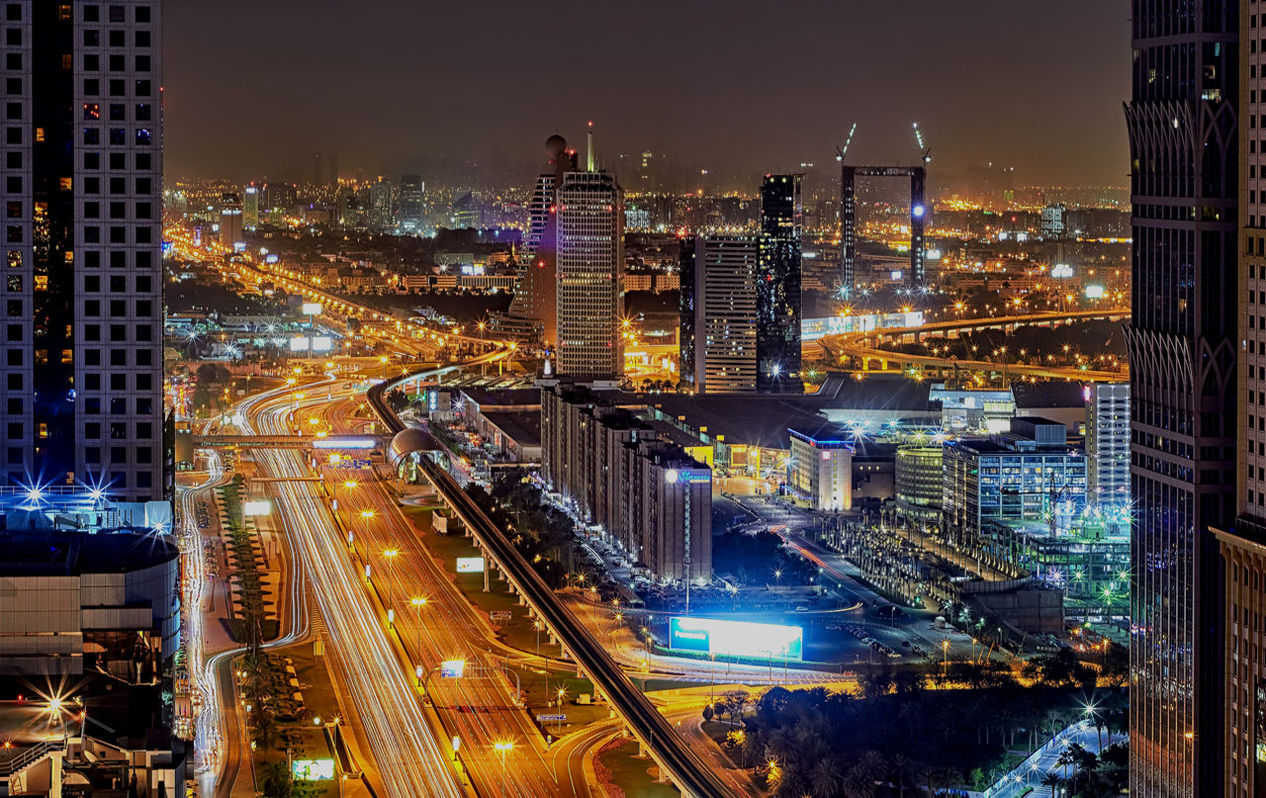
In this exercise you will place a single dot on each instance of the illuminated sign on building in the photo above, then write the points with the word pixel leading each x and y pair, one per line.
pixel 470 565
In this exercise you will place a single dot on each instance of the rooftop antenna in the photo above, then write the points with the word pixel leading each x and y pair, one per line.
pixel 918 139
pixel 589 162
pixel 840 152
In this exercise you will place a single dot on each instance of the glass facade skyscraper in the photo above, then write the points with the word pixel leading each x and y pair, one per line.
pixel 1182 122
pixel 778 285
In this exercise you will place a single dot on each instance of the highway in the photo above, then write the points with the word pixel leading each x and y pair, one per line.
pixel 408 758
pixel 685 766
pixel 481 708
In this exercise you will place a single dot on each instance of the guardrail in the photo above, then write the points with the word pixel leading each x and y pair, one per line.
pixel 683 765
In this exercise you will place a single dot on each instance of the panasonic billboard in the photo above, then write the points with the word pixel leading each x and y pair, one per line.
pixel 735 638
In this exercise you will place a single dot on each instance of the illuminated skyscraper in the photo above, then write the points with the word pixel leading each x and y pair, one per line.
pixel 718 313
pixel 250 207
pixel 82 387
pixel 590 210
pixel 778 285
pixel 1183 350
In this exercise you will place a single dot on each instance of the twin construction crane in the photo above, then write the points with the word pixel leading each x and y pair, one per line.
pixel 916 276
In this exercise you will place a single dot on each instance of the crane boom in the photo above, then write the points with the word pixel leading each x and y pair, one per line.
pixel 840 152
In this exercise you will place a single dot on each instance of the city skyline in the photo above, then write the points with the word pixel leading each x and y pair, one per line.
pixel 414 95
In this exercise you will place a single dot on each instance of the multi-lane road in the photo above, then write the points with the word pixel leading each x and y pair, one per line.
pixel 685 766
pixel 407 755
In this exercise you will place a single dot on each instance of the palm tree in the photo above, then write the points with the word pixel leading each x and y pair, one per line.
pixel 1067 757
pixel 903 769
pixel 826 778
pixel 1052 780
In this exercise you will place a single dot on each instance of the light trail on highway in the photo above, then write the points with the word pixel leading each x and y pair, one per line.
pixel 408 759
pixel 482 707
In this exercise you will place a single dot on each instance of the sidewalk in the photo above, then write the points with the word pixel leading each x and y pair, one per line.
pixel 1029 773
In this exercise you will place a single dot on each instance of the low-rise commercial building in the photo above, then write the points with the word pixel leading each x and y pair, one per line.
pixel 821 468
pixel 1089 560
pixel 65 596
pixel 919 478
pixel 1028 474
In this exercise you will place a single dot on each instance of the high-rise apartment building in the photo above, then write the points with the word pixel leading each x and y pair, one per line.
pixel 622 472
pixel 778 285
pixel 718 313
pixel 590 209
pixel 411 190
pixel 1183 347
pixel 82 140
pixel 1108 443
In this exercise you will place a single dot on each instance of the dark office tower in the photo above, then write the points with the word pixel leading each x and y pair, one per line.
pixel 318 169
pixel 1183 352
pixel 81 391
pixel 778 285
pixel 334 170
pixel 411 188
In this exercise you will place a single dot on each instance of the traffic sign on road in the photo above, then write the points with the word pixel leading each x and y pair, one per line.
pixel 500 615
pixel 548 718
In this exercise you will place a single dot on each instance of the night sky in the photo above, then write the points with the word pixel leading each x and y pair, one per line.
pixel 254 87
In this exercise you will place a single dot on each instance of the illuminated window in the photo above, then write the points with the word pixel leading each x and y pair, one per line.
pixel 15 259
pixel 67 183
pixel 39 134
pixel 41 282
pixel 43 429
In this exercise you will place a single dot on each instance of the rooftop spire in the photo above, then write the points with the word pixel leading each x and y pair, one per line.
pixel 590 160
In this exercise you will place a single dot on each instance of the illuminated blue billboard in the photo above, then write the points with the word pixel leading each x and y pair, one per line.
pixel 735 638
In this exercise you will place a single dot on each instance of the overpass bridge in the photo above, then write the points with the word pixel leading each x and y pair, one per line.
pixel 682 765
pixel 875 347
pixel 333 443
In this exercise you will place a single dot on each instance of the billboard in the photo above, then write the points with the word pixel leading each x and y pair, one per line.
pixel 299 344
pixel 257 507
pixel 735 638
pixel 313 769
pixel 311 308
pixel 470 565
pixel 344 443
pixel 452 668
